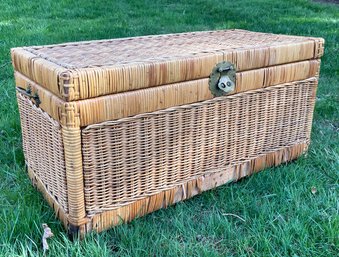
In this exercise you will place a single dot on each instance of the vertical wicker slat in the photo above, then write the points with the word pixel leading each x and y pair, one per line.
pixel 71 135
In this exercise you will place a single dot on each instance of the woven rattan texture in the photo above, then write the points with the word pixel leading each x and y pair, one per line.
pixel 89 69
pixel 156 48
pixel 43 149
pixel 131 158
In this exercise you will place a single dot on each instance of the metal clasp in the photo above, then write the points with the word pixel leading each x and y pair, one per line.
pixel 222 79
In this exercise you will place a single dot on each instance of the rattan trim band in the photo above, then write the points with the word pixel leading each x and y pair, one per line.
pixel 198 104
pixel 131 103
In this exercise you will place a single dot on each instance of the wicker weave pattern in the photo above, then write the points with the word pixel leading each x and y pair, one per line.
pixel 150 49
pixel 128 159
pixel 43 149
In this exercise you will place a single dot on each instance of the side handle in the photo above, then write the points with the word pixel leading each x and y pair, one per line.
pixel 28 93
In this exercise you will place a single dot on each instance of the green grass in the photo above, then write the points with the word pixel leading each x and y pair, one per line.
pixel 279 214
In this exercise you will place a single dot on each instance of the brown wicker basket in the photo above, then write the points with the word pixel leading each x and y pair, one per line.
pixel 115 129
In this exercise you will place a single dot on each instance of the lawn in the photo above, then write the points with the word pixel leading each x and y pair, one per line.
pixel 276 212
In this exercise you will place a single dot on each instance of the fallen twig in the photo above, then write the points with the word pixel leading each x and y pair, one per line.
pixel 234 215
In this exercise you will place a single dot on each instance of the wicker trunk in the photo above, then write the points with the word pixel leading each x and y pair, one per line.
pixel 115 129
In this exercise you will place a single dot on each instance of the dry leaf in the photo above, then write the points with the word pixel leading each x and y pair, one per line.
pixel 314 190
pixel 47 234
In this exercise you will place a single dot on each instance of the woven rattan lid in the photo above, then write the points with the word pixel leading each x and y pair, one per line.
pixel 84 70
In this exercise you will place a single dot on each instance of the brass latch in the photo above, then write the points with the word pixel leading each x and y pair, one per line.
pixel 222 79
